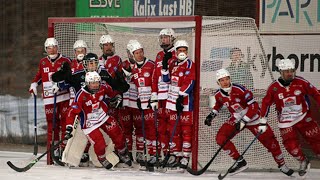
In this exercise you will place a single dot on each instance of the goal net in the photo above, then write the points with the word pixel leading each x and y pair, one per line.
pixel 213 41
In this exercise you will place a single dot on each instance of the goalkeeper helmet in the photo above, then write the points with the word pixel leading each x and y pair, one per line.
pixel 90 62
pixel 92 81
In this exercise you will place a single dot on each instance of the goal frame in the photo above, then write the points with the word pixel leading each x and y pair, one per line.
pixel 197 55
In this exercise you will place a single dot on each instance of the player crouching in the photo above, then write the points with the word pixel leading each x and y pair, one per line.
pixel 92 112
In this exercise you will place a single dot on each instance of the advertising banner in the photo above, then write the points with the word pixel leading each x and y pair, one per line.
pixel 289 16
pixel 129 8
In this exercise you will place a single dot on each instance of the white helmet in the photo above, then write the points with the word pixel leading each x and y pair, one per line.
pixel 181 43
pixel 167 32
pixel 92 76
pixel 80 44
pixel 133 45
pixel 285 64
pixel 50 42
pixel 221 73
pixel 104 39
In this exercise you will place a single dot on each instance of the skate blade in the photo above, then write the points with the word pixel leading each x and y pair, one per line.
pixel 239 170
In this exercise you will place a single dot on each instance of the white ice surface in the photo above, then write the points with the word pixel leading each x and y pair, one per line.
pixel 41 171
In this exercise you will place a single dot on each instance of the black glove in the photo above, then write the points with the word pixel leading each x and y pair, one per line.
pixel 116 101
pixel 165 60
pixel 179 104
pixel 240 125
pixel 139 104
pixel 68 134
pixel 209 118
pixel 66 67
pixel 63 74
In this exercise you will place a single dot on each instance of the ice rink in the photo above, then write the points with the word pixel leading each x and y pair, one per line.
pixel 42 171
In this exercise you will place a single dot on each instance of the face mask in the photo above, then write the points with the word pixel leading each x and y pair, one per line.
pixel 52 56
pixel 80 57
pixel 182 56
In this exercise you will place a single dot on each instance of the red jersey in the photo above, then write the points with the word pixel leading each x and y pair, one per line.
pixel 45 70
pixel 240 103
pixel 76 66
pixel 182 80
pixel 142 78
pixel 130 97
pixel 291 102
pixel 91 108
pixel 112 64
pixel 158 86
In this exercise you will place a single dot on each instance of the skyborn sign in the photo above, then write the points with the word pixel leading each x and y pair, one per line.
pixel 129 8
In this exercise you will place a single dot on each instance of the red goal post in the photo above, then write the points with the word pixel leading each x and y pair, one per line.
pixel 211 41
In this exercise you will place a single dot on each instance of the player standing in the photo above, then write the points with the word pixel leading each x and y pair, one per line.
pixel 47 66
pixel 160 88
pixel 142 78
pixel 181 76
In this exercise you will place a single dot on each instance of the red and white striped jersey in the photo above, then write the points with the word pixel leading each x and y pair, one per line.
pixel 292 102
pixel 45 70
pixel 240 103
pixel 90 108
pixel 130 97
pixel 142 78
pixel 158 86
pixel 182 78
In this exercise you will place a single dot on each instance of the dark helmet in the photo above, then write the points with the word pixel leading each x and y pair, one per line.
pixel 90 62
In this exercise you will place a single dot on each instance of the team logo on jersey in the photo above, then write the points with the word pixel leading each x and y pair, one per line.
pixel 174 80
pixel 297 92
pixel 187 72
pixel 82 77
pixel 237 99
pixel 289 101
pixel 141 82
pixel 95 106
pixel 43 63
pixel 115 68
pixel 180 74
pixel 237 108
pixel 146 74
pixel 84 98
pixel 275 89
pixel 280 96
